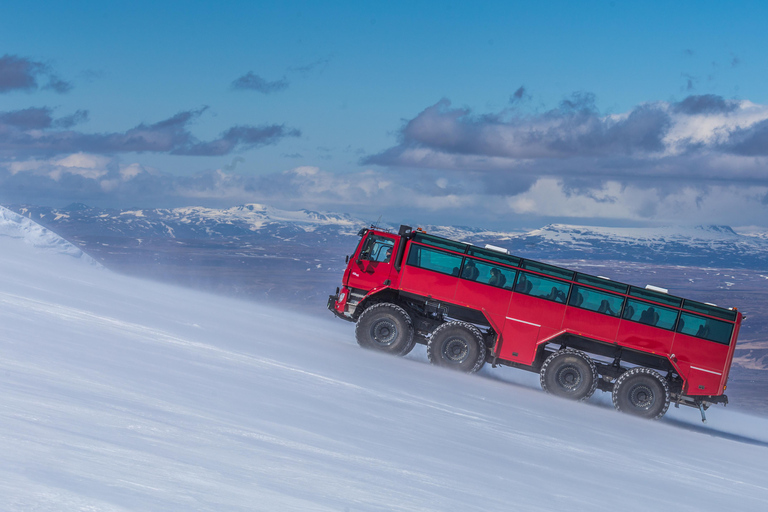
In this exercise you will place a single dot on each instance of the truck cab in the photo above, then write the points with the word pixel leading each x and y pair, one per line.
pixel 373 267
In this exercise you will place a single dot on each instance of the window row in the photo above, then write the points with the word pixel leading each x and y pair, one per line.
pixel 578 296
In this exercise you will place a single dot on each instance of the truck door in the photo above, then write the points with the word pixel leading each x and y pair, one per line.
pixel 373 263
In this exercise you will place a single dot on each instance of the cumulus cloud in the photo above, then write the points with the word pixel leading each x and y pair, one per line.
pixel 34 132
pixel 704 158
pixel 23 74
pixel 671 141
pixel 575 129
pixel 705 104
pixel 253 82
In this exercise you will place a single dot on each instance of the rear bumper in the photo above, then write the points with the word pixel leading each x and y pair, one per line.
pixel 696 401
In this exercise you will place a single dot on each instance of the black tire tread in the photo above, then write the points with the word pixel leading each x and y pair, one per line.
pixel 378 307
pixel 641 371
pixel 479 362
pixel 578 353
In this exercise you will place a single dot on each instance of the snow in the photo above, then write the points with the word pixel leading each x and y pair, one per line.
pixel 14 226
pixel 258 216
pixel 120 394
pixel 646 236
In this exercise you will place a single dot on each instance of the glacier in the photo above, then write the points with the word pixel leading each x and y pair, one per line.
pixel 122 394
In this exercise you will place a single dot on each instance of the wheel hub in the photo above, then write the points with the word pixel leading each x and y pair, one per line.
pixel 455 350
pixel 641 396
pixel 569 377
pixel 384 332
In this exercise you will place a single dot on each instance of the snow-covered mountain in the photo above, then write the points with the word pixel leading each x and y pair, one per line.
pixel 699 245
pixel 191 222
pixel 253 223
pixel 120 394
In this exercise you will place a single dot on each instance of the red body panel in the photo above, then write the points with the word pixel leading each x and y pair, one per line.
pixel 495 301
pixel 591 324
pixel 428 284
pixel 645 338
pixel 703 363
pixel 530 319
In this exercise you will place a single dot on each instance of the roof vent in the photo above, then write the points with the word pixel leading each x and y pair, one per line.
pixel 603 277
pixel 710 304
pixel 656 288
pixel 497 249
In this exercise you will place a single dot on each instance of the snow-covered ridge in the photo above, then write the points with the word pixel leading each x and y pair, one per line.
pixel 565 232
pixel 678 245
pixel 255 215
pixel 13 225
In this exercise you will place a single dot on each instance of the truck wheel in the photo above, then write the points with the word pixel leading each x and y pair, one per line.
pixel 385 327
pixel 457 345
pixel 569 373
pixel 641 392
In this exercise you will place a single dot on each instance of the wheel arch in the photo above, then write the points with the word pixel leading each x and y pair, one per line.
pixel 375 297
pixel 604 349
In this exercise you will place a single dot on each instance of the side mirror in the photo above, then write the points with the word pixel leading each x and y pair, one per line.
pixel 346 259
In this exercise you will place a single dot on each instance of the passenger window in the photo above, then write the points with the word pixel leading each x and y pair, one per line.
pixel 707 328
pixel 595 300
pixel 542 287
pixel 650 314
pixel 494 275
pixel 433 259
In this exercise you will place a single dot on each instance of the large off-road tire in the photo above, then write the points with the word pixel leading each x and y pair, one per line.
pixel 385 327
pixel 457 345
pixel 570 374
pixel 641 392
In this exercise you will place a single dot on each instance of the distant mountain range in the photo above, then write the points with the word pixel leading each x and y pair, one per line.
pixel 717 246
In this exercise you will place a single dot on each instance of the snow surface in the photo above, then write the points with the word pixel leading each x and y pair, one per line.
pixel 13 225
pixel 120 394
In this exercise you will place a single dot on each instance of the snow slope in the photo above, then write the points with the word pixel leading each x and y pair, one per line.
pixel 13 225
pixel 119 394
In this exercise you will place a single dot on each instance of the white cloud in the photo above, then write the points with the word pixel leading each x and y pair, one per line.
pixel 82 161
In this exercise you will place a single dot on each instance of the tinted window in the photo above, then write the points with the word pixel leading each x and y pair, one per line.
pixel 487 254
pixel 440 242
pixel 551 270
pixel 599 282
pixel 542 287
pixel 487 273
pixel 432 259
pixel 595 300
pixel 663 298
pixel 706 309
pixel 650 314
pixel 376 248
pixel 707 328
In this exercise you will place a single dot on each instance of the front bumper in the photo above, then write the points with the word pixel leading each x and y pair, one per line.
pixel 333 306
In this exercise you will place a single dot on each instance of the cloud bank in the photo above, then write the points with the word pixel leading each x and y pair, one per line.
pixel 699 160
pixel 23 74
pixel 659 140
pixel 33 132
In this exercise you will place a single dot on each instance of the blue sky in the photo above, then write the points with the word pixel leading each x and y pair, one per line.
pixel 502 114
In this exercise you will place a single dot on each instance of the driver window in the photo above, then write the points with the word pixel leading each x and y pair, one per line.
pixel 378 249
